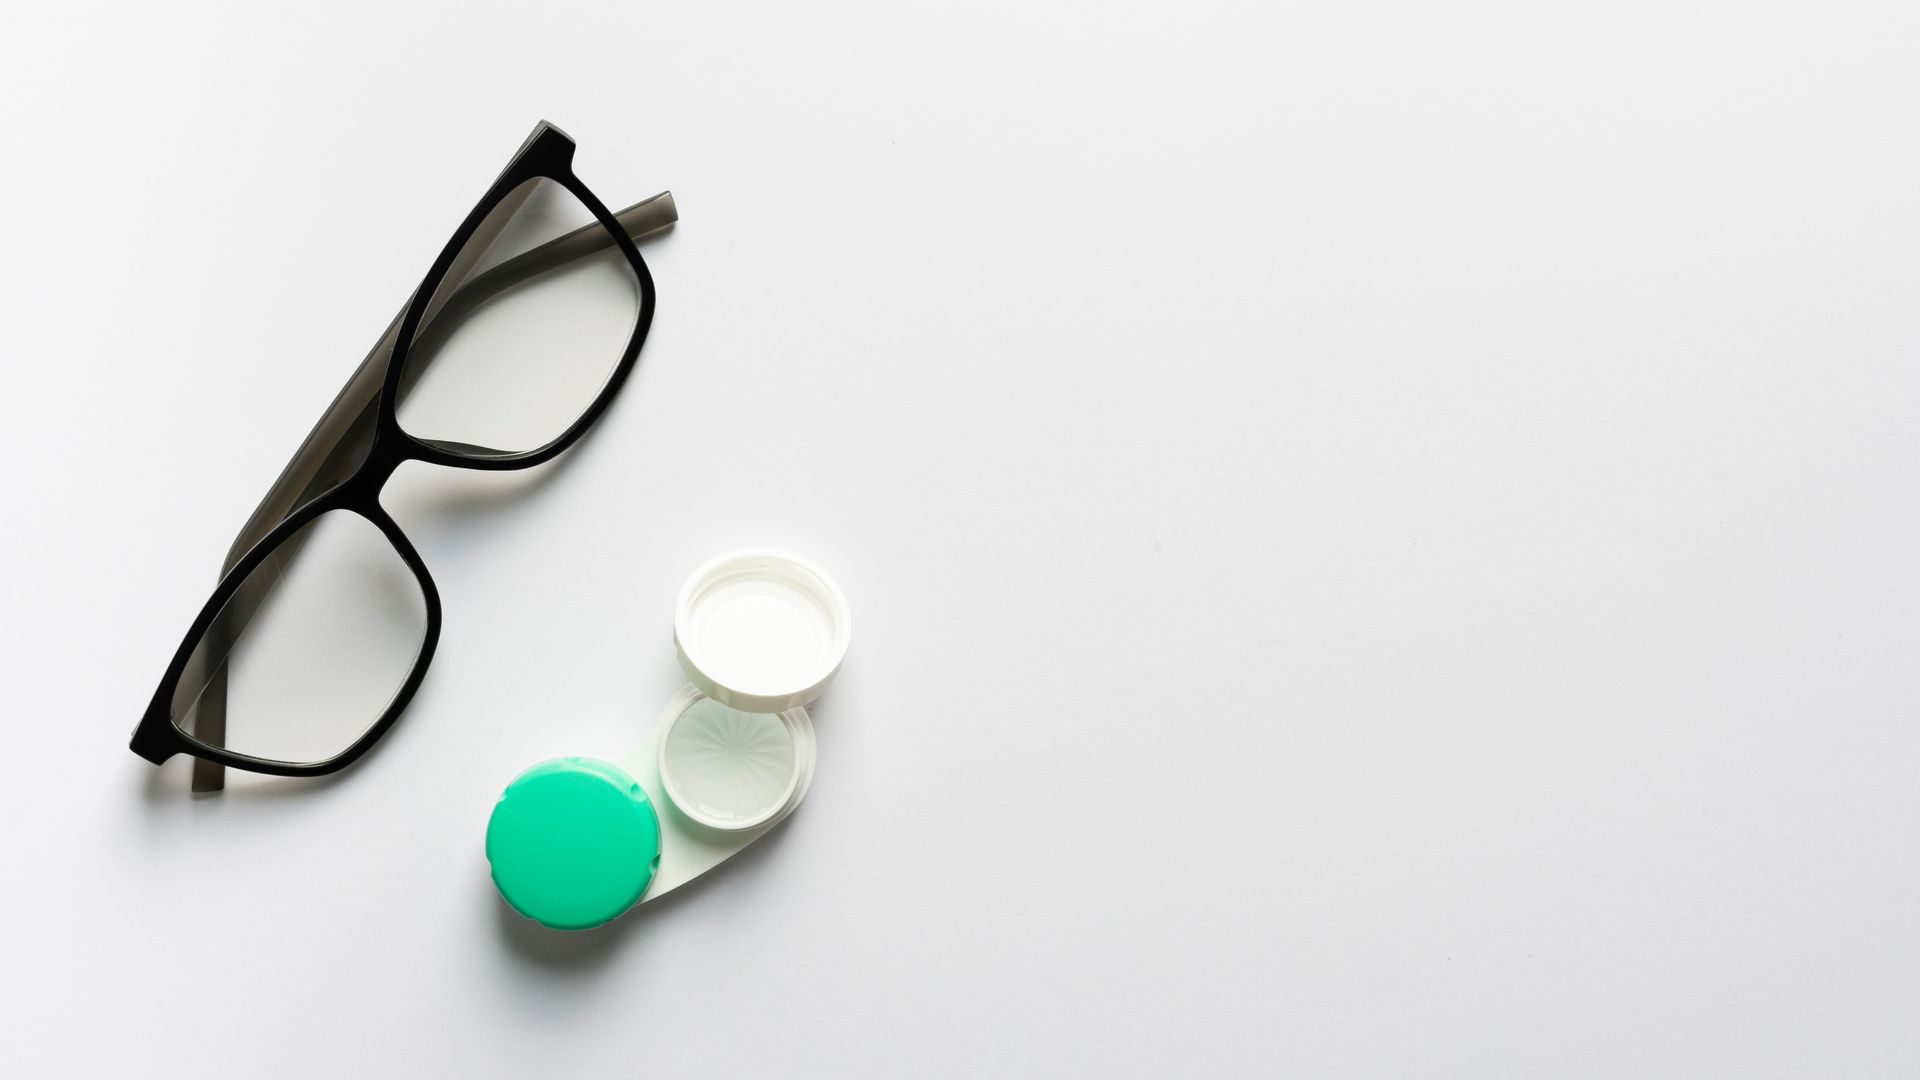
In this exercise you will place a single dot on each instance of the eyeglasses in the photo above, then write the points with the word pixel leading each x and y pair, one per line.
pixel 325 618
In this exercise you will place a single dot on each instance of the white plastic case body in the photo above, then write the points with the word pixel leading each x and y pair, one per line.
pixel 689 848
pixel 761 633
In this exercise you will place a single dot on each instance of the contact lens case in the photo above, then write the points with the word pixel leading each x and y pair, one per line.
pixel 576 842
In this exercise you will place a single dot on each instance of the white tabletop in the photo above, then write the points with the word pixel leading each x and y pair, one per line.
pixel 1382 539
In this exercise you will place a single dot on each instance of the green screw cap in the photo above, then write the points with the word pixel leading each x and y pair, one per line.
pixel 573 842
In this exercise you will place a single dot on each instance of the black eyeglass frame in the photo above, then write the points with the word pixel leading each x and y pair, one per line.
pixel 353 480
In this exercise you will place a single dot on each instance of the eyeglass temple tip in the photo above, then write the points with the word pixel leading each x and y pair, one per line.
pixel 649 215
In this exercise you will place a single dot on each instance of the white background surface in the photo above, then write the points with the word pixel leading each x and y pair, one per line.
pixel 1382 536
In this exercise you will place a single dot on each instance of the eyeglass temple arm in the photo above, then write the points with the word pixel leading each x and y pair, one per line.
pixel 336 444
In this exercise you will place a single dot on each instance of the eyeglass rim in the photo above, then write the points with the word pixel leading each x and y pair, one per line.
pixel 159 737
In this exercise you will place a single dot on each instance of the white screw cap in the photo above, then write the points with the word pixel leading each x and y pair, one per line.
pixel 761 630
